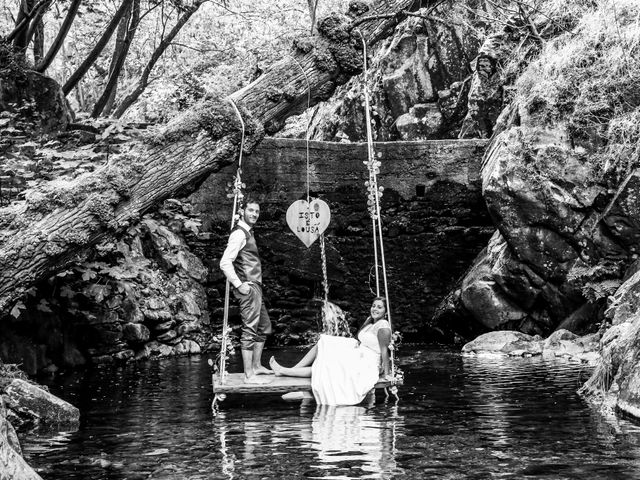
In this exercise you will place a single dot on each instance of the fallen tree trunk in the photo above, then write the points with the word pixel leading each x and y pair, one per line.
pixel 60 222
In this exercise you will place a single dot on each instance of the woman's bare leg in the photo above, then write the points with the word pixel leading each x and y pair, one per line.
pixel 279 370
pixel 308 359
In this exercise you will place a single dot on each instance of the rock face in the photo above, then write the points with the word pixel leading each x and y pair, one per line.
pixel 144 297
pixel 486 93
pixel 564 202
pixel 433 217
pixel 615 381
pixel 12 465
pixel 419 80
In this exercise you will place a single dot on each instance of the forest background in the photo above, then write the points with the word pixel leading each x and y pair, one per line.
pixel 218 47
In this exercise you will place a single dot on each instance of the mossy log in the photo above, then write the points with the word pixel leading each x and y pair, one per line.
pixel 62 221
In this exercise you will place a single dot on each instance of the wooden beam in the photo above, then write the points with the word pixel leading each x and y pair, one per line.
pixel 234 383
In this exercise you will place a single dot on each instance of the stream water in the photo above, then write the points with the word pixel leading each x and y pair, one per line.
pixel 458 417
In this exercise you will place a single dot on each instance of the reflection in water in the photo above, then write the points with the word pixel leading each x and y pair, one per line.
pixel 334 442
pixel 355 436
pixel 458 417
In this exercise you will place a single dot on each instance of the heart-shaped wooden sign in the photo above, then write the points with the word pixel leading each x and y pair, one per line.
pixel 308 220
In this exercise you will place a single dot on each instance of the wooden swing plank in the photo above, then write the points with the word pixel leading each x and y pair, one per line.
pixel 234 383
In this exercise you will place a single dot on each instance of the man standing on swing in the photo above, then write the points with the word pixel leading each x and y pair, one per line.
pixel 241 265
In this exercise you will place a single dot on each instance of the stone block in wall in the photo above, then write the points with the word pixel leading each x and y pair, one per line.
pixel 164 326
pixel 157 316
pixel 135 333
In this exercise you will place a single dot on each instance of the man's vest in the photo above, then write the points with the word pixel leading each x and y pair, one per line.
pixel 247 263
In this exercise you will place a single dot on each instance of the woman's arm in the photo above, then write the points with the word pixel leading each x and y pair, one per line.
pixel 384 339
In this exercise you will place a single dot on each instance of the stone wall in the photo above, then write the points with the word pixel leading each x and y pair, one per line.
pixel 434 219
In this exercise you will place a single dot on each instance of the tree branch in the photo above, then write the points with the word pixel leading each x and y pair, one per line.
pixel 95 53
pixel 164 43
pixel 62 33
pixel 119 61
pixel 23 21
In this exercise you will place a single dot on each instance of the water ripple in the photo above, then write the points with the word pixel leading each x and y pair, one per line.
pixel 459 417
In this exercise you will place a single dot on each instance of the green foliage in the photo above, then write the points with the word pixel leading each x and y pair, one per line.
pixel 597 281
pixel 588 78
pixel 223 46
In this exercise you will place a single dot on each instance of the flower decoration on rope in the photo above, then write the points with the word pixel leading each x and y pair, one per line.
pixel 373 192
pixel 234 190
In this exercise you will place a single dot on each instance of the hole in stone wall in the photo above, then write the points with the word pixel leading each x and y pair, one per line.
pixel 421 190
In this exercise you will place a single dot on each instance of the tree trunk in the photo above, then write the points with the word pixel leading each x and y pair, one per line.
pixel 97 50
pixel 61 221
pixel 23 22
pixel 313 4
pixel 62 34
pixel 36 32
pixel 164 44
pixel 23 19
pixel 38 40
pixel 121 35
pixel 120 57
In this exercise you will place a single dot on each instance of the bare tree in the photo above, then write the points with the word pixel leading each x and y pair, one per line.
pixel 164 44
pixel 62 34
pixel 313 5
pixel 97 50
pixel 120 55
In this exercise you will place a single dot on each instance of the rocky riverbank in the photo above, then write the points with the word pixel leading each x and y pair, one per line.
pixel 560 344
pixel 27 406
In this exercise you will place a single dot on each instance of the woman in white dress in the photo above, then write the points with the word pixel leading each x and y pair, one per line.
pixel 343 370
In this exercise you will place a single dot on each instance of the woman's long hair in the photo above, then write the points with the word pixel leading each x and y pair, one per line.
pixel 369 319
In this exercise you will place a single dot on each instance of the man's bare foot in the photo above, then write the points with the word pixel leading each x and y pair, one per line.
pixel 260 370
pixel 275 366
pixel 255 380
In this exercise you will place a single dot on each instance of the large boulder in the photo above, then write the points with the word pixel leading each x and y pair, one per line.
pixel 30 95
pixel 12 465
pixel 558 185
pixel 35 406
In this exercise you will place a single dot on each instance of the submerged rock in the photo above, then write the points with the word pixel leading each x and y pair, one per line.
pixel 12 465
pixel 561 343
pixel 504 342
pixel 36 406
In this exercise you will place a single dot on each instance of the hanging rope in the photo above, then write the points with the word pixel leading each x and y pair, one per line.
pixel 325 278
pixel 237 199
pixel 306 78
pixel 374 204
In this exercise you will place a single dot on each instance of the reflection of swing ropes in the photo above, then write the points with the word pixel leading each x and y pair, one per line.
pixel 228 466
pixel 373 203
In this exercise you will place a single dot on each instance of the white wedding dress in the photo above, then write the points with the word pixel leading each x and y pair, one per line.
pixel 345 371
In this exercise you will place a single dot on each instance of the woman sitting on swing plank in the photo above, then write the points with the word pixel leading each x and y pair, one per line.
pixel 343 370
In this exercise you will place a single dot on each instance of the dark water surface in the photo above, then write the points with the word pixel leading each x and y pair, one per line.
pixel 458 417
